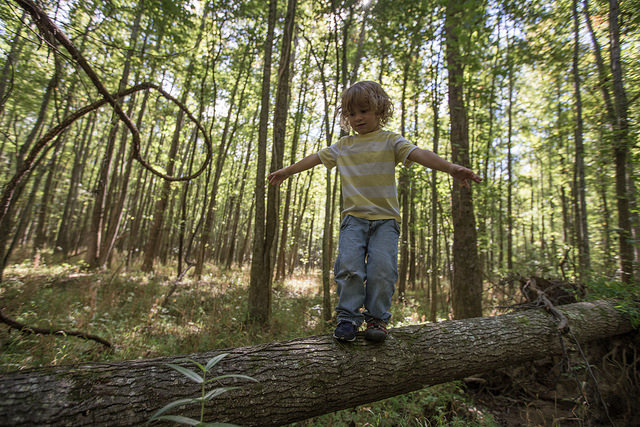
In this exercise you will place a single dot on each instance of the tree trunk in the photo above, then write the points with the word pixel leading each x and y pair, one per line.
pixel 621 145
pixel 223 148
pixel 487 203
pixel 14 53
pixel 260 286
pixel 609 259
pixel 95 239
pixel 435 274
pixel 80 150
pixel 467 282
pixel 617 115
pixel 283 247
pixel 119 196
pixel 299 239
pixel 156 232
pixel 404 183
pixel 510 226
pixel 8 210
pixel 42 233
pixel 579 172
pixel 236 215
pixel 300 378
pixel 281 111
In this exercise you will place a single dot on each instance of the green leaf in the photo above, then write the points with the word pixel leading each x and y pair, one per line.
pixel 214 360
pixel 172 405
pixel 180 419
pixel 217 392
pixel 244 377
pixel 192 361
pixel 218 425
pixel 187 373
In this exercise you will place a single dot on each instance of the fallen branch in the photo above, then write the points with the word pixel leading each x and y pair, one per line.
pixel 542 299
pixel 25 329
pixel 300 378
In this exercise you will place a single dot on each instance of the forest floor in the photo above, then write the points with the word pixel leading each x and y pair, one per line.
pixel 131 310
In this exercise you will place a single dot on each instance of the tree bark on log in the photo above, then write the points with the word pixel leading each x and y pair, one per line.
pixel 299 378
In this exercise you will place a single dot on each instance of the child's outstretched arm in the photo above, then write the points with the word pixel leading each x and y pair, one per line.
pixel 276 178
pixel 433 161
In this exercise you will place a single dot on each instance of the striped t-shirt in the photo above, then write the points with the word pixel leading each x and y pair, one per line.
pixel 367 169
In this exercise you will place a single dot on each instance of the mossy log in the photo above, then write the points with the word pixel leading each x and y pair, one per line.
pixel 299 378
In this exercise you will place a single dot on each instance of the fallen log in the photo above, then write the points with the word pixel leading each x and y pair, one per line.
pixel 299 378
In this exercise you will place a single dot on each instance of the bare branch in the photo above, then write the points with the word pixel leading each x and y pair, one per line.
pixel 50 331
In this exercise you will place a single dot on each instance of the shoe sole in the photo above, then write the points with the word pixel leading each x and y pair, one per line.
pixel 344 339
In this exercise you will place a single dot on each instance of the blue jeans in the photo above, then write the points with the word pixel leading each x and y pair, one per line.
pixel 366 269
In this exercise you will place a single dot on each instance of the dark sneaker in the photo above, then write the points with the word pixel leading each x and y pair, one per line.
pixel 376 330
pixel 346 331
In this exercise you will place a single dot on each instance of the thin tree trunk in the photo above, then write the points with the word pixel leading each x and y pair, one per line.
pixel 236 215
pixel 298 227
pixel 6 219
pixel 467 281
pixel 243 252
pixel 260 285
pixel 486 210
pixel 100 206
pixel 609 259
pixel 404 183
pixel 225 142
pixel 435 273
pixel 581 202
pixel 41 233
pixel 63 244
pixel 617 114
pixel 156 230
pixel 282 248
pixel 117 210
pixel 279 134
pixel 24 220
pixel 622 142
pixel 510 226
pixel 413 209
pixel 7 70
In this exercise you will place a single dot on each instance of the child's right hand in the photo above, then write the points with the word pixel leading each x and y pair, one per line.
pixel 277 177
pixel 464 175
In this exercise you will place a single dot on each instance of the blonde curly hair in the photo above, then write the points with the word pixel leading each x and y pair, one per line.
pixel 366 94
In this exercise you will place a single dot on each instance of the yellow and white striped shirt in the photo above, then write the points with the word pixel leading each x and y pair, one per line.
pixel 367 169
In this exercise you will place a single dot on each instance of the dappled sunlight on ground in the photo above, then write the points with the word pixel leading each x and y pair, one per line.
pixel 303 284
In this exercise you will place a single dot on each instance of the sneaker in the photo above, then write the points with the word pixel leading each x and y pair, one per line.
pixel 346 331
pixel 376 330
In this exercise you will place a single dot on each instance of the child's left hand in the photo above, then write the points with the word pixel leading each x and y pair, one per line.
pixel 464 175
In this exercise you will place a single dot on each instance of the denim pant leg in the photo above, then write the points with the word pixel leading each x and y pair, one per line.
pixel 382 268
pixel 349 271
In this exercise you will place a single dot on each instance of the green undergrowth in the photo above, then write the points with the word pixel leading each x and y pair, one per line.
pixel 626 295
pixel 125 308
pixel 441 405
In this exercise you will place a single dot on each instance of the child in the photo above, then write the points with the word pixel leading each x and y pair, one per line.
pixel 366 268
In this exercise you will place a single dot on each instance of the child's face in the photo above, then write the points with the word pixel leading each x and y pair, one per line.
pixel 363 119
